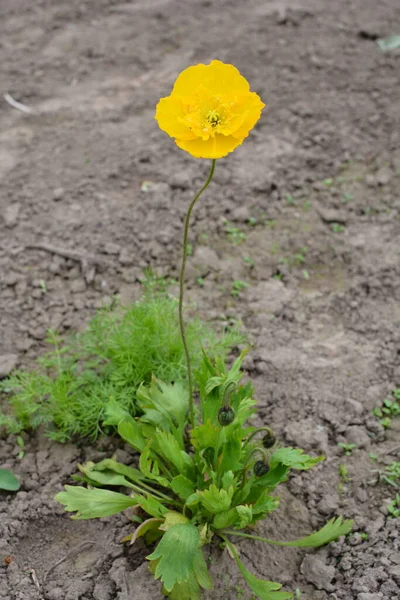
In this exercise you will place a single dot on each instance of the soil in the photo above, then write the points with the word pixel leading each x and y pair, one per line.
pixel 316 191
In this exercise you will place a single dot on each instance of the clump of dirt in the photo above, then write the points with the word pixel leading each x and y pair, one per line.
pixel 314 197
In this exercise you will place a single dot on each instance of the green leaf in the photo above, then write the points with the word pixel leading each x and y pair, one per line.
pixel 143 529
pixel 245 514
pixel 170 401
pixel 206 436
pixel 168 446
pixel 225 519
pixel 8 481
pixel 95 503
pixel 265 590
pixel 189 590
pixel 330 532
pixel 182 486
pixel 215 500
pixel 152 506
pixel 294 458
pixel 109 464
pixel 149 467
pixel 176 552
pixel 172 518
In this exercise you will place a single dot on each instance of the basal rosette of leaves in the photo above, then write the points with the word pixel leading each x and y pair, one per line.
pixel 195 486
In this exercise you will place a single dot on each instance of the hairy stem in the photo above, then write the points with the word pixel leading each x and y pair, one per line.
pixel 181 290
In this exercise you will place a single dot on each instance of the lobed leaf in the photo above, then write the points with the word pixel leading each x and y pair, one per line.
pixel 93 503
pixel 265 590
pixel 294 458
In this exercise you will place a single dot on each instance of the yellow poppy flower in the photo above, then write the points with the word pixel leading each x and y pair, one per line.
pixel 210 111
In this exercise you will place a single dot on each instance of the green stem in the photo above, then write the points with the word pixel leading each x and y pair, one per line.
pixel 181 290
pixel 267 429
pixel 255 537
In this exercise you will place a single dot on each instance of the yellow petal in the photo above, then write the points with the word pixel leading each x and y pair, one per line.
pixel 170 115
pixel 252 113
pixel 215 147
pixel 217 77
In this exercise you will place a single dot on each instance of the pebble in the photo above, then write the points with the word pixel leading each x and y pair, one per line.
pixel 58 194
pixel 11 214
pixel 78 286
pixel 357 435
pixel 8 362
pixel 205 259
pixel 111 248
pixel 126 257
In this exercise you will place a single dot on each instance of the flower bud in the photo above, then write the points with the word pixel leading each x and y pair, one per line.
pixel 260 468
pixel 226 415
pixel 269 439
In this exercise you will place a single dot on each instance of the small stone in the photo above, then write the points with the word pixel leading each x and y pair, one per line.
pixel 318 573
pixel 56 593
pixel 362 495
pixel 111 248
pixel 370 180
pixel 8 362
pixel 329 215
pixel 383 176
pixel 358 436
pixel 395 573
pixel 241 214
pixel 58 194
pixel 10 279
pixel 205 259
pixel 395 558
pixel 328 504
pixel 78 286
pixel 11 214
pixel 126 257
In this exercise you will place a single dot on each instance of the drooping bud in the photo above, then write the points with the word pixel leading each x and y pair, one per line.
pixel 226 415
pixel 269 439
pixel 260 468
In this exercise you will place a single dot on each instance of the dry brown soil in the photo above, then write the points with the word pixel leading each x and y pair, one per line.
pixel 315 188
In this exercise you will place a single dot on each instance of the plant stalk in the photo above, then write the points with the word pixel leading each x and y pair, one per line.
pixel 181 290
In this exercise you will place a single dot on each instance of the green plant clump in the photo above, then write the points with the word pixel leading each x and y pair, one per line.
pixel 198 486
pixel 71 387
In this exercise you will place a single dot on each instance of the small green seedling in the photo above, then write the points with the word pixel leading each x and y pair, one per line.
pixel 337 228
pixel 300 256
pixel 189 250
pixel 237 287
pixel 328 182
pixel 393 507
pixel 306 274
pixel 21 444
pixel 347 448
pixel 248 261
pixel 200 281
pixel 364 536
pixel 290 200
pixel 307 205
pixel 390 408
pixel 347 198
pixel 297 594
pixel 252 221
pixel 235 235
pixel 344 473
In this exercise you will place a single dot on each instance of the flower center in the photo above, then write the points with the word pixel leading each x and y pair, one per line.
pixel 213 118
